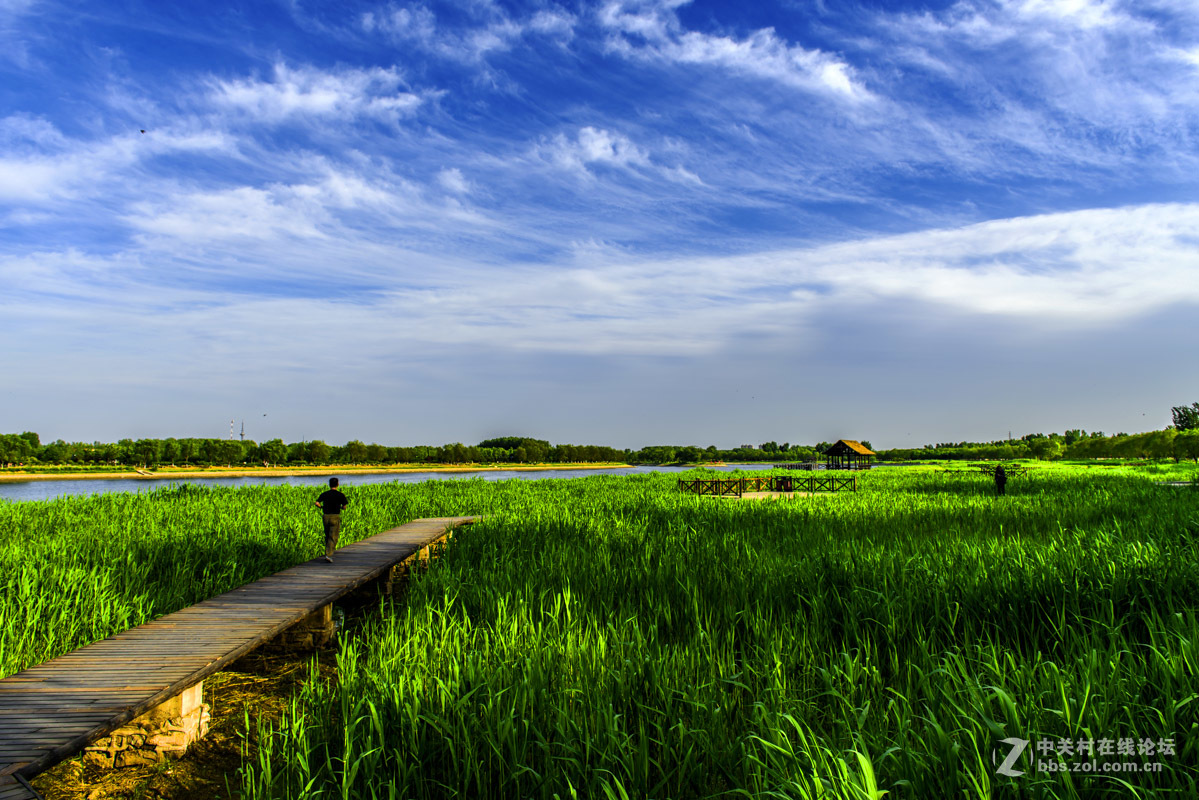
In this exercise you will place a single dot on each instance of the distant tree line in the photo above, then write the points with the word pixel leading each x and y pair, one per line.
pixel 1076 444
pixel 689 454
pixel 1179 442
pixel 26 448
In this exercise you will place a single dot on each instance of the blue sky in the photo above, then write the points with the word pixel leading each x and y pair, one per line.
pixel 623 223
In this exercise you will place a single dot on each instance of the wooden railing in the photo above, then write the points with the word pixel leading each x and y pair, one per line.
pixel 736 487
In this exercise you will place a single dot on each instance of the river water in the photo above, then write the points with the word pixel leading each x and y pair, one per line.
pixel 45 490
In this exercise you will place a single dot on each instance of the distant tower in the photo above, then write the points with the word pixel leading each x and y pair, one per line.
pixel 243 430
pixel 230 430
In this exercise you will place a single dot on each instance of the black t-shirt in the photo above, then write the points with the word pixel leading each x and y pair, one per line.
pixel 332 502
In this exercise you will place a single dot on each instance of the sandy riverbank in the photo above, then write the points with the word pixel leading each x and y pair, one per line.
pixel 278 472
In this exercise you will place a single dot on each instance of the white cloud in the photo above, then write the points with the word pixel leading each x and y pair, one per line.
pixel 416 22
pixel 40 165
pixel 266 214
pixel 1080 270
pixel 1089 93
pixel 1080 13
pixel 554 22
pixel 593 146
pixel 472 43
pixel 1097 61
pixel 452 181
pixel 31 179
pixel 651 30
pixel 1188 56
pixel 681 175
pixel 1086 269
pixel 307 91
pixel 244 212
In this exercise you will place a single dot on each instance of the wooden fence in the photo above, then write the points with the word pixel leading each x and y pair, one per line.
pixel 736 487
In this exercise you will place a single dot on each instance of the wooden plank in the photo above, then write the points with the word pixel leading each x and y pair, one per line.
pixel 16 791
pixel 52 710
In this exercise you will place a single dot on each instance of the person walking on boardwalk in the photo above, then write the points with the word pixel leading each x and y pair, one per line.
pixel 1000 479
pixel 331 503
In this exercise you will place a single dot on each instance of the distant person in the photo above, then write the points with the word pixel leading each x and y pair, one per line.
pixel 331 504
pixel 1000 479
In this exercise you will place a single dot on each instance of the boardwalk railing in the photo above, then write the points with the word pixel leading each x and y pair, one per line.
pixel 736 487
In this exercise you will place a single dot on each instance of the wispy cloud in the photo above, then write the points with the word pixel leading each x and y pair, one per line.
pixel 304 91
pixel 1051 66
pixel 651 30
pixel 41 165
pixel 453 181
pixel 492 30
pixel 1079 270
pixel 1087 269
pixel 594 146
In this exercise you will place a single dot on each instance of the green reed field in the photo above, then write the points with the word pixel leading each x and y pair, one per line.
pixel 610 637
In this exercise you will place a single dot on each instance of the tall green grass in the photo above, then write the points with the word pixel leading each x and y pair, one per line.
pixel 78 569
pixel 611 637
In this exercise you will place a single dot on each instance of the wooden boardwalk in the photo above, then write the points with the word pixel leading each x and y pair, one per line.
pixel 52 711
pixel 777 484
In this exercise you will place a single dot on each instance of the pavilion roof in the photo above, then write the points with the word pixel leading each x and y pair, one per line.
pixel 841 445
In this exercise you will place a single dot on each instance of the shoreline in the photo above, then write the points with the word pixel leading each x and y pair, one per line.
pixel 281 472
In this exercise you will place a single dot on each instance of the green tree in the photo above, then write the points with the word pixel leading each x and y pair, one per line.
pixel 210 451
pixel 56 452
pixel 1186 418
pixel 146 451
pixel 318 452
pixel 503 442
pixel 354 452
pixel 1186 445
pixel 1045 448
pixel 123 451
pixel 229 451
pixel 1135 446
pixel 273 451
pixel 1160 444
pixel 534 450
pixel 14 449
pixel 455 453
